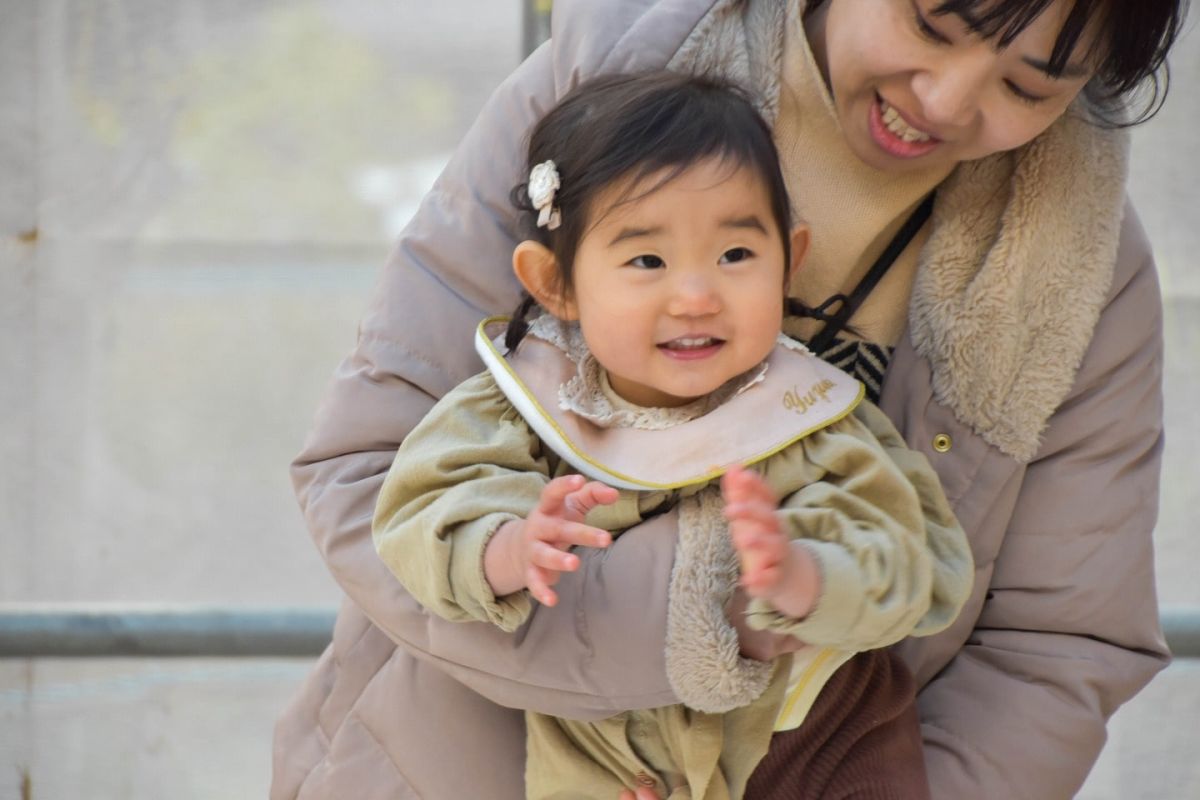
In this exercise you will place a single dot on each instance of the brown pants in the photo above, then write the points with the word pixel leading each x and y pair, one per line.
pixel 860 741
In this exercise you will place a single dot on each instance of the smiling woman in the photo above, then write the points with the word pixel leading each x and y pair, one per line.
pixel 1015 341
pixel 923 83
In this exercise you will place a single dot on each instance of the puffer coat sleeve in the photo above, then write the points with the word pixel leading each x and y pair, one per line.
pixel 450 268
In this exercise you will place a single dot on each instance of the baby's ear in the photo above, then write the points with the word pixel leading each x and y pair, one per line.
pixel 537 270
pixel 800 242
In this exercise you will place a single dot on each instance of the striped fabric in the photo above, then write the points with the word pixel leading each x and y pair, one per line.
pixel 862 360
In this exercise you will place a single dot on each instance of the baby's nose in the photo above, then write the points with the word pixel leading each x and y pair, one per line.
pixel 695 295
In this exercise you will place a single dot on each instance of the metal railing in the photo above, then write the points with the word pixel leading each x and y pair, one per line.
pixel 535 24
pixel 110 632
pixel 69 632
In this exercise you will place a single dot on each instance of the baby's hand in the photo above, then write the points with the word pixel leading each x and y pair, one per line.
pixel 532 552
pixel 773 568
pixel 750 507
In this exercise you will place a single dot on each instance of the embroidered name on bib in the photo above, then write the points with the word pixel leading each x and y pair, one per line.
pixel 800 401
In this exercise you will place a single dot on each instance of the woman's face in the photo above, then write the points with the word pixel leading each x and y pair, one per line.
pixel 918 91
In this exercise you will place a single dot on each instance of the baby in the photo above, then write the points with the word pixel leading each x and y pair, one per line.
pixel 645 374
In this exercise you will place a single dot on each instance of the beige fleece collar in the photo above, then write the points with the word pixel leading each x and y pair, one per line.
pixel 1012 283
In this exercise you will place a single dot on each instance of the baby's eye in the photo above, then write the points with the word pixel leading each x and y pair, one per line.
pixel 735 255
pixel 648 262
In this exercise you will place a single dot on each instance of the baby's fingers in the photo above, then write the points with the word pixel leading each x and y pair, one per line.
pixel 539 581
pixel 755 539
pixel 732 483
pixel 549 557
pixel 759 579
pixel 760 515
pixel 740 485
pixel 566 534
pixel 587 497
pixel 554 494
pixel 642 794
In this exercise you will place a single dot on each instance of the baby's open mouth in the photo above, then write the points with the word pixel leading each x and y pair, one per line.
pixel 684 343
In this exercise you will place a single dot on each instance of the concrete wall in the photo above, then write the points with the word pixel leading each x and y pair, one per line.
pixel 196 198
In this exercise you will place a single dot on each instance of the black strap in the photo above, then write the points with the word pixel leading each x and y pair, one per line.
pixel 836 321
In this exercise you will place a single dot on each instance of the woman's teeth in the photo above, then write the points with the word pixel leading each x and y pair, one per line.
pixel 901 129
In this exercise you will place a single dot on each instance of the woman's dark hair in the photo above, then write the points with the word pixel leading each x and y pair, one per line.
pixel 620 128
pixel 1130 50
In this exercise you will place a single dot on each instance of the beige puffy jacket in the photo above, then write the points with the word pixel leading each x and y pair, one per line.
pixel 1033 358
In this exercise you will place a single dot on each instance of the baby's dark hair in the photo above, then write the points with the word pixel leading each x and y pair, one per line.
pixel 628 128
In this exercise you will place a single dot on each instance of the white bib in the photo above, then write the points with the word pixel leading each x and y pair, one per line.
pixel 798 395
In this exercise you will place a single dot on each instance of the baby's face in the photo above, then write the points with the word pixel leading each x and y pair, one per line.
pixel 680 290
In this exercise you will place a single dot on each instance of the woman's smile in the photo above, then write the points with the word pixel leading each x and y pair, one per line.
pixel 895 135
pixel 916 89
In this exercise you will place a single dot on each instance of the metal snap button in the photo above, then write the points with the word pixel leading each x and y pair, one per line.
pixel 942 443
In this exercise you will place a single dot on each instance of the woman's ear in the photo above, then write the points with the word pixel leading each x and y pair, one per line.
pixel 537 270
pixel 800 242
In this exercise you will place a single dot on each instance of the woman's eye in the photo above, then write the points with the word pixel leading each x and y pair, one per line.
pixel 648 262
pixel 1022 95
pixel 926 29
pixel 735 255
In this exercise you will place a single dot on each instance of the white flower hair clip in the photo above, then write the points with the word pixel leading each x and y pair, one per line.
pixel 543 184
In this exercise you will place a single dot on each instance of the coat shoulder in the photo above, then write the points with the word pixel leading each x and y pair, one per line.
pixel 619 35
pixel 1134 253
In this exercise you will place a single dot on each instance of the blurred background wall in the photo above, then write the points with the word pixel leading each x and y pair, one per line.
pixel 194 201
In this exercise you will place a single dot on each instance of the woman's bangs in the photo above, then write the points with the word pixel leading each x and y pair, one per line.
pixel 1005 20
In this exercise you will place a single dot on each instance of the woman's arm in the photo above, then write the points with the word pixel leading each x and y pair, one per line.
pixel 600 650
pixel 1070 629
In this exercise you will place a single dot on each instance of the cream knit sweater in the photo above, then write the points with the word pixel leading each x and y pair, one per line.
pixel 853 209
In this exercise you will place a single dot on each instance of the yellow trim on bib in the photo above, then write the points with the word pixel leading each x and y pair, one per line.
pixel 582 456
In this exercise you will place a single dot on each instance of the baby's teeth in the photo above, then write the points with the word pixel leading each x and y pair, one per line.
pixel 690 343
